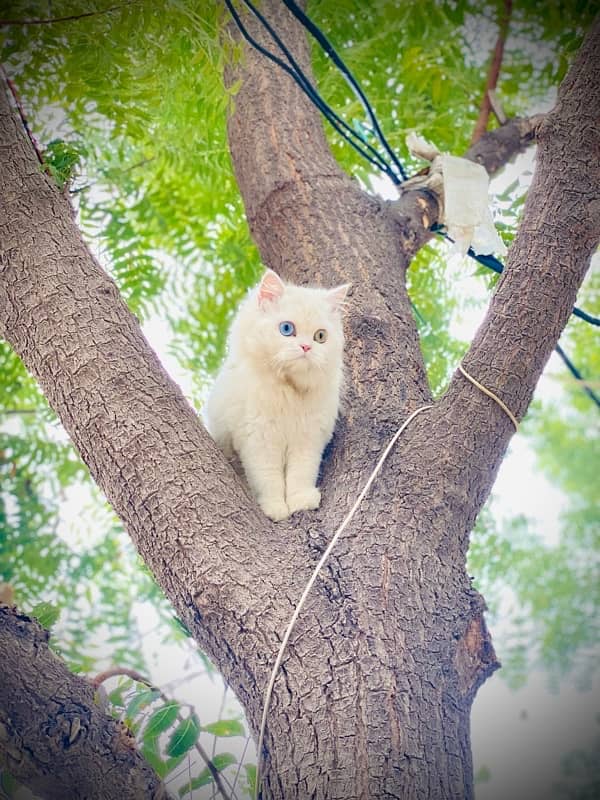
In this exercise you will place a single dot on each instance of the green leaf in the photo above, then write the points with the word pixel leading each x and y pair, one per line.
pixel 150 752
pixel 220 762
pixel 161 720
pixel 225 727
pixel 179 626
pixel 46 614
pixel 184 737
pixel 250 778
pixel 140 700
pixel 115 698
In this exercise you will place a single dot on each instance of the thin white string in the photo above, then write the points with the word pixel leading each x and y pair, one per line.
pixel 309 585
pixel 489 393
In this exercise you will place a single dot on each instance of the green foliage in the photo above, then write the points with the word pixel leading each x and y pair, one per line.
pixel 161 720
pixel 46 614
pixel 581 773
pixel 483 775
pixel 250 770
pixel 225 727
pixel 184 737
pixel 166 735
pixel 220 763
pixel 62 160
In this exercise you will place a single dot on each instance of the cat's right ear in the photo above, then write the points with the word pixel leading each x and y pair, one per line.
pixel 337 296
pixel 270 288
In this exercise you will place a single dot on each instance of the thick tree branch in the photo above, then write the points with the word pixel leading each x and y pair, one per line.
pixel 418 207
pixel 495 149
pixel 546 265
pixel 54 738
pixel 209 546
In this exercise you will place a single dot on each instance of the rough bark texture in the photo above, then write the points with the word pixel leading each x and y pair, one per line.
pixel 53 736
pixel 374 693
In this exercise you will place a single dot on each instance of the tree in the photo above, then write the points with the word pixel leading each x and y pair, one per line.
pixel 374 693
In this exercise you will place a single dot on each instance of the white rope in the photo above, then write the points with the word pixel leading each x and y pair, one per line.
pixel 309 585
pixel 489 393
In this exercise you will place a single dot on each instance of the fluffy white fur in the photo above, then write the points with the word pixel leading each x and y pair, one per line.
pixel 276 397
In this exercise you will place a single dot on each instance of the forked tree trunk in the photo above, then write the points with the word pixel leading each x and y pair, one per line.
pixel 374 693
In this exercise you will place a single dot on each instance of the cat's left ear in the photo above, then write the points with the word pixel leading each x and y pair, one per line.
pixel 337 296
pixel 270 288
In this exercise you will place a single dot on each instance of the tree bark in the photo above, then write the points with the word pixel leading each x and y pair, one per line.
pixel 374 694
pixel 415 646
pixel 54 738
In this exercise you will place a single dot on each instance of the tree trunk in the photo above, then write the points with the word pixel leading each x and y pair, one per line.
pixel 374 693
pixel 54 738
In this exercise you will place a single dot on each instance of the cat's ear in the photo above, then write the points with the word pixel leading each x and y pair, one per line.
pixel 270 288
pixel 337 296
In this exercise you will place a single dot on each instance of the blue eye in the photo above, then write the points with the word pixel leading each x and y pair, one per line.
pixel 287 328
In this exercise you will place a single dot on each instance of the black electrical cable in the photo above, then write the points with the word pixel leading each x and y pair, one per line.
pixel 348 133
pixel 307 87
pixel 578 312
pixel 320 37
pixel 373 157
pixel 491 262
pixel 577 375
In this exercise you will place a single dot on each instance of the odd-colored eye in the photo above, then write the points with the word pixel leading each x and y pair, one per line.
pixel 287 328
pixel 320 335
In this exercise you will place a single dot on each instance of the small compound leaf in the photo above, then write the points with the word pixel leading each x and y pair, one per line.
pixel 116 698
pixel 250 779
pixel 225 727
pixel 161 720
pixel 180 627
pixel 46 614
pixel 150 752
pixel 141 700
pixel 184 737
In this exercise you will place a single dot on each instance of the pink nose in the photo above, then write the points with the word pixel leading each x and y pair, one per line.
pixel 305 347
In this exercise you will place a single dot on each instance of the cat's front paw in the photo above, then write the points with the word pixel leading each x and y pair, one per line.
pixel 304 500
pixel 274 508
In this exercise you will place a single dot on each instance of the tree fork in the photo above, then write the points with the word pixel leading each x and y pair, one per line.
pixel 373 697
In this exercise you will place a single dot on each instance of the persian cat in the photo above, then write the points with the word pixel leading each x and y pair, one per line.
pixel 275 400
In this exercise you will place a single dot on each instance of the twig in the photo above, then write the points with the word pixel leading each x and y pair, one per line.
pixel 214 744
pixel 493 72
pixel 22 115
pixel 51 21
pixel 131 673
pixel 239 769
pixel 496 107
pixel 113 672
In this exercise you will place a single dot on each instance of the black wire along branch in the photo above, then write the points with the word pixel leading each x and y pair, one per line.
pixel 293 69
pixel 396 173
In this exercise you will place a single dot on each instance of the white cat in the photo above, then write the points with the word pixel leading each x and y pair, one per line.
pixel 276 397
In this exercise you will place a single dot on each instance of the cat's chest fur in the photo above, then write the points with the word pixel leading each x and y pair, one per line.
pixel 283 405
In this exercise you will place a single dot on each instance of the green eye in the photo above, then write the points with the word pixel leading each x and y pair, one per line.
pixel 320 335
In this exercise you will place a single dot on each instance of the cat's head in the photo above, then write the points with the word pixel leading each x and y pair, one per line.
pixel 293 332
